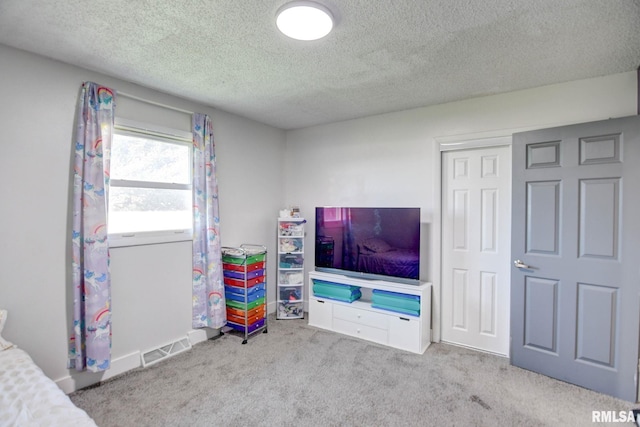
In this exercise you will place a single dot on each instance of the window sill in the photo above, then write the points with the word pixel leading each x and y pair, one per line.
pixel 149 238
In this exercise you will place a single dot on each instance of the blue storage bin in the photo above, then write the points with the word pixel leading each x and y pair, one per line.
pixel 240 291
pixel 396 309
pixel 241 297
pixel 336 291
pixel 395 294
pixel 405 302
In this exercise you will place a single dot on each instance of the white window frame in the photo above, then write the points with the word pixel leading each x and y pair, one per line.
pixel 163 134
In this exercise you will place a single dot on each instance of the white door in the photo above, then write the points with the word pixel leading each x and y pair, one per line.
pixel 476 222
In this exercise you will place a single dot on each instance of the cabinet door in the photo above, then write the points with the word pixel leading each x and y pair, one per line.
pixel 320 313
pixel 404 333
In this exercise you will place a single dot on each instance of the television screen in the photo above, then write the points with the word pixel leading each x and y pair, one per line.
pixel 376 243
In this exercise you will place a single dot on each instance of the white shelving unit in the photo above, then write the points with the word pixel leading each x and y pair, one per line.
pixel 290 288
pixel 360 319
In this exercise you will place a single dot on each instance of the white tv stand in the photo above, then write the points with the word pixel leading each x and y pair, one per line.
pixel 359 319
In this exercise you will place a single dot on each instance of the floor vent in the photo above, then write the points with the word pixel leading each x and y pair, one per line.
pixel 161 353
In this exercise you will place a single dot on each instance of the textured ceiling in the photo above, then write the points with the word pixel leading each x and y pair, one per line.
pixel 382 55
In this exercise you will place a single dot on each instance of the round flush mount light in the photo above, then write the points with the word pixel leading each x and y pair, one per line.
pixel 304 20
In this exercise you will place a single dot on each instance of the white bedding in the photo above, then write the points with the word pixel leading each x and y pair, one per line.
pixel 29 398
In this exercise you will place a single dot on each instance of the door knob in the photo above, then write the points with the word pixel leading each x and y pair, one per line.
pixel 520 264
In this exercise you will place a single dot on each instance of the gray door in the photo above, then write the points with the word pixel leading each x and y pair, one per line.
pixel 575 281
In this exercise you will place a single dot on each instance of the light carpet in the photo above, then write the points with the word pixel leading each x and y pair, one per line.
pixel 297 375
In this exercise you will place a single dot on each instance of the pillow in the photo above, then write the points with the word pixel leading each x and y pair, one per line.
pixel 376 245
pixel 4 344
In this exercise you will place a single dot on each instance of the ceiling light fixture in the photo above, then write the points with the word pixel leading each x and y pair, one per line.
pixel 304 20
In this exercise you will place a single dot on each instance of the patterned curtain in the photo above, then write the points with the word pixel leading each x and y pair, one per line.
pixel 90 345
pixel 208 289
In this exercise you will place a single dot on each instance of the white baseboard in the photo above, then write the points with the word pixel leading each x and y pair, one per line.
pixel 77 380
pixel 199 335
pixel 271 307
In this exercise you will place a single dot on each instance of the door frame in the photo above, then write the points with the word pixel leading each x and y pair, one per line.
pixel 462 142
pixel 452 143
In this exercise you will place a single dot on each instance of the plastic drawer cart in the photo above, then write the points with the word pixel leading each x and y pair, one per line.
pixel 290 280
pixel 245 288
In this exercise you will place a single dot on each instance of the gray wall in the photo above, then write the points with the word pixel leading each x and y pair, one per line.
pixel 151 297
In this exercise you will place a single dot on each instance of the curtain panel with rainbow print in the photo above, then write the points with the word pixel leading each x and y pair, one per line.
pixel 208 288
pixel 90 344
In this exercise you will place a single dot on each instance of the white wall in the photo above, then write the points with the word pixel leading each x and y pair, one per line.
pixel 394 160
pixel 151 297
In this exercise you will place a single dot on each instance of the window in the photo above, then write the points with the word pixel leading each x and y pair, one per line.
pixel 150 195
pixel 332 216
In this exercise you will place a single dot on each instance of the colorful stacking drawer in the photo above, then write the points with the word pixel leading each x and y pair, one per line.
pixel 242 297
pixel 248 291
pixel 248 329
pixel 246 317
pixel 245 306
pixel 253 279
pixel 241 260
pixel 245 288
pixel 397 302
pixel 336 291
pixel 240 267
pixel 242 274
pixel 241 319
pixel 258 311
pixel 241 283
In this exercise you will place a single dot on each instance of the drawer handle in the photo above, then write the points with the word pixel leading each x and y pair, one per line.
pixel 404 318
pixel 321 302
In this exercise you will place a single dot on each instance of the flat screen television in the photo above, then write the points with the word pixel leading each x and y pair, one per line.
pixel 371 243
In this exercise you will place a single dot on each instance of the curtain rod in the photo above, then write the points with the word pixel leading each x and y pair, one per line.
pixel 157 104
